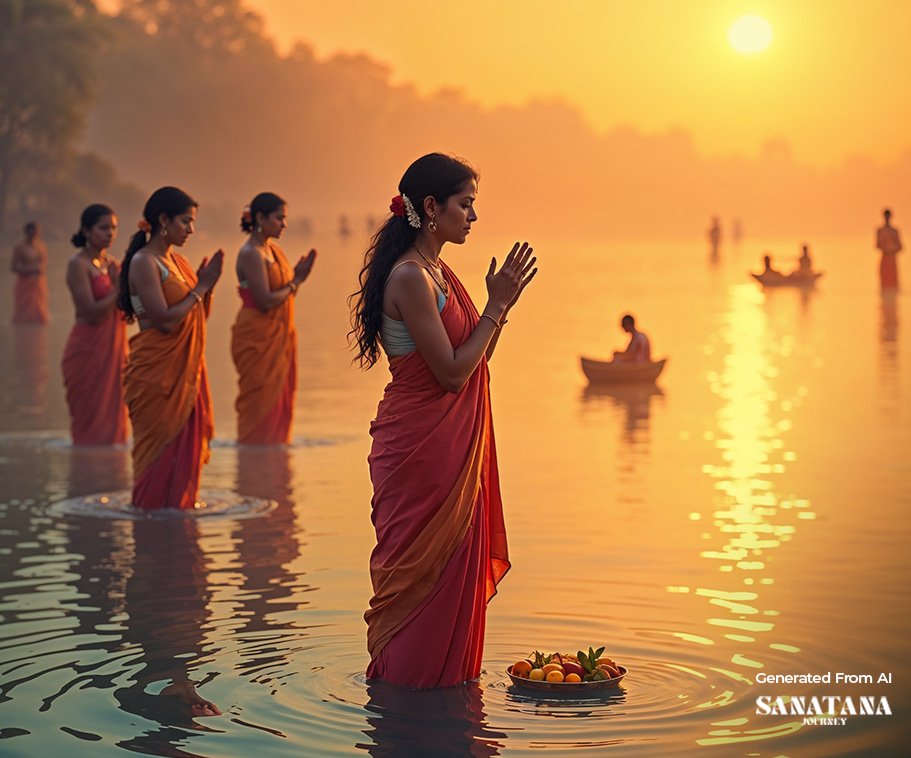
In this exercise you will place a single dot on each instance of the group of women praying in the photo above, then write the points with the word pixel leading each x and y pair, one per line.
pixel 159 377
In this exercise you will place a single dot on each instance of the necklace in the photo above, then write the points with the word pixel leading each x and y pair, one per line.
pixel 441 281
pixel 100 262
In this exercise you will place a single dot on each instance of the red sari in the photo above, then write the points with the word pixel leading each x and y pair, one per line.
pixel 166 389
pixel 889 243
pixel 264 349
pixel 30 299
pixel 93 362
pixel 441 541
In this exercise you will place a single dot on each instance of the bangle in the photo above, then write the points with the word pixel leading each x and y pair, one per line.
pixel 495 322
pixel 195 294
pixel 293 287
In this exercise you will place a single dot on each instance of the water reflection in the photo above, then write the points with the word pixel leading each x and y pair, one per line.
pixel 634 400
pixel 97 469
pixel 264 592
pixel 442 722
pixel 164 627
pixel 750 517
pixel 29 375
pixel 889 379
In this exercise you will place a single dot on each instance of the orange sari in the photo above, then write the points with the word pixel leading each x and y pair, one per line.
pixel 166 389
pixel 441 541
pixel 264 349
pixel 30 300
pixel 93 362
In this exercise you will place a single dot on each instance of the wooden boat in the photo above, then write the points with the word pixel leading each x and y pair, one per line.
pixel 776 279
pixel 617 372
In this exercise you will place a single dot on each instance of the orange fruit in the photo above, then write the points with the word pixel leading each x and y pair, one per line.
pixel 536 675
pixel 555 676
pixel 521 668
pixel 553 667
pixel 573 678
pixel 601 661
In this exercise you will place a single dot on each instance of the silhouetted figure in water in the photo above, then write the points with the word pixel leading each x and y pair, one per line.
pixel 344 229
pixel 737 231
pixel 888 242
pixel 639 348
pixel 714 235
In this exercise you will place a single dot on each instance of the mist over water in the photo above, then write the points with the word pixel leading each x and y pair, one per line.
pixel 744 515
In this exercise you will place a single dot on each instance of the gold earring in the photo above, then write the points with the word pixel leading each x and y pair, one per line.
pixel 259 228
pixel 164 231
pixel 432 226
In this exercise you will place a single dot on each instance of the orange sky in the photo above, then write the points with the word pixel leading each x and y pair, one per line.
pixel 828 84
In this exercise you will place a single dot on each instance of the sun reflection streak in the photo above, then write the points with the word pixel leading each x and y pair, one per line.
pixel 749 518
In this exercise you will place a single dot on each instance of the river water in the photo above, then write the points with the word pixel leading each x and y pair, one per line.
pixel 744 516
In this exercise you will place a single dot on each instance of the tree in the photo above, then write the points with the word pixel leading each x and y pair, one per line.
pixel 47 53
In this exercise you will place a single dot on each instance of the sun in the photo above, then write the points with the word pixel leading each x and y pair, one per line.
pixel 750 34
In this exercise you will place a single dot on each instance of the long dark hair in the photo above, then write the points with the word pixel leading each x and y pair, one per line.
pixel 265 203
pixel 171 202
pixel 436 174
pixel 90 216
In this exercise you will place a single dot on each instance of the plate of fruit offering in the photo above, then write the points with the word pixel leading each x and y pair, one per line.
pixel 565 672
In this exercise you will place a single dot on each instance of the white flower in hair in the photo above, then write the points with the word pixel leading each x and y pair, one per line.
pixel 414 220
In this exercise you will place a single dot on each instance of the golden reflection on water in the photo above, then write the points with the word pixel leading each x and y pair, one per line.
pixel 750 515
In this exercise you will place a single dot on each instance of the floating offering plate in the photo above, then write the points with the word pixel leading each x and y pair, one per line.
pixel 565 672
pixel 567 687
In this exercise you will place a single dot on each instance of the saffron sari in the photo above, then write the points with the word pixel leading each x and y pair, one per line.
pixel 93 362
pixel 30 304
pixel 441 541
pixel 166 389
pixel 264 349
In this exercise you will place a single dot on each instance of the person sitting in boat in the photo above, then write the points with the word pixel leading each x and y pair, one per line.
pixel 769 271
pixel 805 264
pixel 639 350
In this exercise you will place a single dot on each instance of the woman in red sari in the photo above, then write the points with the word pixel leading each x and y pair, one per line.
pixel 96 350
pixel 30 299
pixel 441 541
pixel 166 387
pixel 264 340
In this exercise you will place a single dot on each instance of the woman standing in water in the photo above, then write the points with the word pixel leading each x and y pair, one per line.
pixel 264 340
pixel 165 385
pixel 29 263
pixel 96 350
pixel 888 242
pixel 441 542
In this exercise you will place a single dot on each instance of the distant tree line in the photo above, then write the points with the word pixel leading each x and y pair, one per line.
pixel 192 92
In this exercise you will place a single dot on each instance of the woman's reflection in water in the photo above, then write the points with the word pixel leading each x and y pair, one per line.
pixel 266 547
pixel 165 601
pixel 449 721
pixel 889 319
pixel 29 370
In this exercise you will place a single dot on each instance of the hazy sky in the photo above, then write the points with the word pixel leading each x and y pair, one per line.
pixel 829 83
